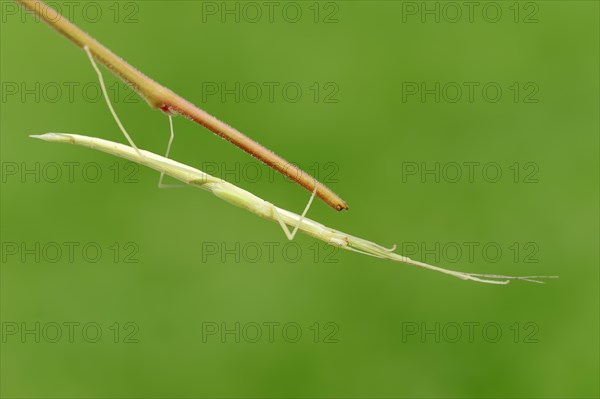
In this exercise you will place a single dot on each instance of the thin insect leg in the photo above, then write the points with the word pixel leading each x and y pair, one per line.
pixel 290 235
pixel 162 174
pixel 532 279
pixel 110 107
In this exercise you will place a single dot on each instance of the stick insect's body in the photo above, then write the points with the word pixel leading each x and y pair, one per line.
pixel 244 199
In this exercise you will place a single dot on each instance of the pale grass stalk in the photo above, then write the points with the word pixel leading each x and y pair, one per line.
pixel 265 209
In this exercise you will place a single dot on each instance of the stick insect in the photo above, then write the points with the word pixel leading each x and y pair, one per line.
pixel 246 200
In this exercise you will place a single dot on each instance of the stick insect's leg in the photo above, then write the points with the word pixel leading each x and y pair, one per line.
pixel 162 174
pixel 290 235
pixel 110 107
pixel 114 114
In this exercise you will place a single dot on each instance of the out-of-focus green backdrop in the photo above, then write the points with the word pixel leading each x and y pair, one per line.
pixel 112 288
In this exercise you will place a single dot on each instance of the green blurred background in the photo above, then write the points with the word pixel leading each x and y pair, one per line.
pixel 195 261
